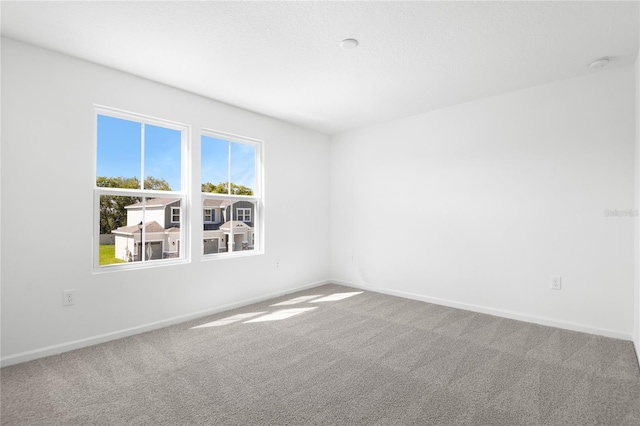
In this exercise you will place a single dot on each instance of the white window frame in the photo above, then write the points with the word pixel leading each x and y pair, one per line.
pixel 257 198
pixel 173 214
pixel 182 194
pixel 246 212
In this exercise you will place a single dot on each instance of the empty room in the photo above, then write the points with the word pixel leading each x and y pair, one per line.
pixel 320 213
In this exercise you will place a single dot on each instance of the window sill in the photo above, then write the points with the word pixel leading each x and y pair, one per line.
pixel 133 266
pixel 232 255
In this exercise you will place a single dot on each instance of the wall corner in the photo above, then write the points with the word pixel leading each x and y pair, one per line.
pixel 636 300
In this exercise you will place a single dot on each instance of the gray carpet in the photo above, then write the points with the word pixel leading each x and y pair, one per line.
pixel 368 359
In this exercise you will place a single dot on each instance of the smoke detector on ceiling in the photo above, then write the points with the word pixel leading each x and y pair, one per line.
pixel 599 63
pixel 349 43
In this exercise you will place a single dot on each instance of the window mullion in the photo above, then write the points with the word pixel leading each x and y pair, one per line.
pixel 229 169
pixel 232 240
pixel 143 230
pixel 142 156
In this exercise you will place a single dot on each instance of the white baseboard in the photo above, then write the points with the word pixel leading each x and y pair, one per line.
pixel 496 312
pixel 94 340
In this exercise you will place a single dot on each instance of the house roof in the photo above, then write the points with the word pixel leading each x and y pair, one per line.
pixel 149 227
pixel 162 202
pixel 236 224
pixel 153 202
pixel 215 203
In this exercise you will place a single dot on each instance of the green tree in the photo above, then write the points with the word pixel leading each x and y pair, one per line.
pixel 156 183
pixel 223 188
pixel 112 207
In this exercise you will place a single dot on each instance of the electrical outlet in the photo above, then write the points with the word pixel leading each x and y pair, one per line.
pixel 277 264
pixel 68 297
pixel 556 283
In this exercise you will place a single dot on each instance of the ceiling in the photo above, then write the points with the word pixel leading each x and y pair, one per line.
pixel 283 59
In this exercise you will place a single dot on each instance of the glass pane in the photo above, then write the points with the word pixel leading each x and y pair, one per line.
pixel 215 165
pixel 126 221
pixel 161 230
pixel 162 221
pixel 119 146
pixel 162 153
pixel 229 234
pixel 211 245
pixel 118 229
pixel 243 168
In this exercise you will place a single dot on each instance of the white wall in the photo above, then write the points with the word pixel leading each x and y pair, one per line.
pixel 485 201
pixel 48 163
pixel 475 205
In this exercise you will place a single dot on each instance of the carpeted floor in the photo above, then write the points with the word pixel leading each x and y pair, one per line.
pixel 334 356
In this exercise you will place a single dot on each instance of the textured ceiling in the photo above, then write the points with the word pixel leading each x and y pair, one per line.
pixel 283 59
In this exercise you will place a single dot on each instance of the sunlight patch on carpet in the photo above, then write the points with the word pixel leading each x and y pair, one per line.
pixel 280 315
pixel 229 320
pixel 337 296
pixel 297 300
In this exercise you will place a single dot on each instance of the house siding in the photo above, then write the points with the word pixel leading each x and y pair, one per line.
pixel 243 205
pixel 226 216
pixel 134 216
pixel 167 215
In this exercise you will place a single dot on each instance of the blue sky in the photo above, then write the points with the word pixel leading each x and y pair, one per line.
pixel 119 150
pixel 119 154
pixel 215 169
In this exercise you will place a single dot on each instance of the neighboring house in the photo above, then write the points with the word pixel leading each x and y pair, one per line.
pixel 222 232
pixel 219 225
pixel 161 227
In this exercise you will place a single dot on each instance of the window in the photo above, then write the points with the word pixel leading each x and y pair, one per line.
pixel 243 214
pixel 175 214
pixel 208 215
pixel 231 183
pixel 139 192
